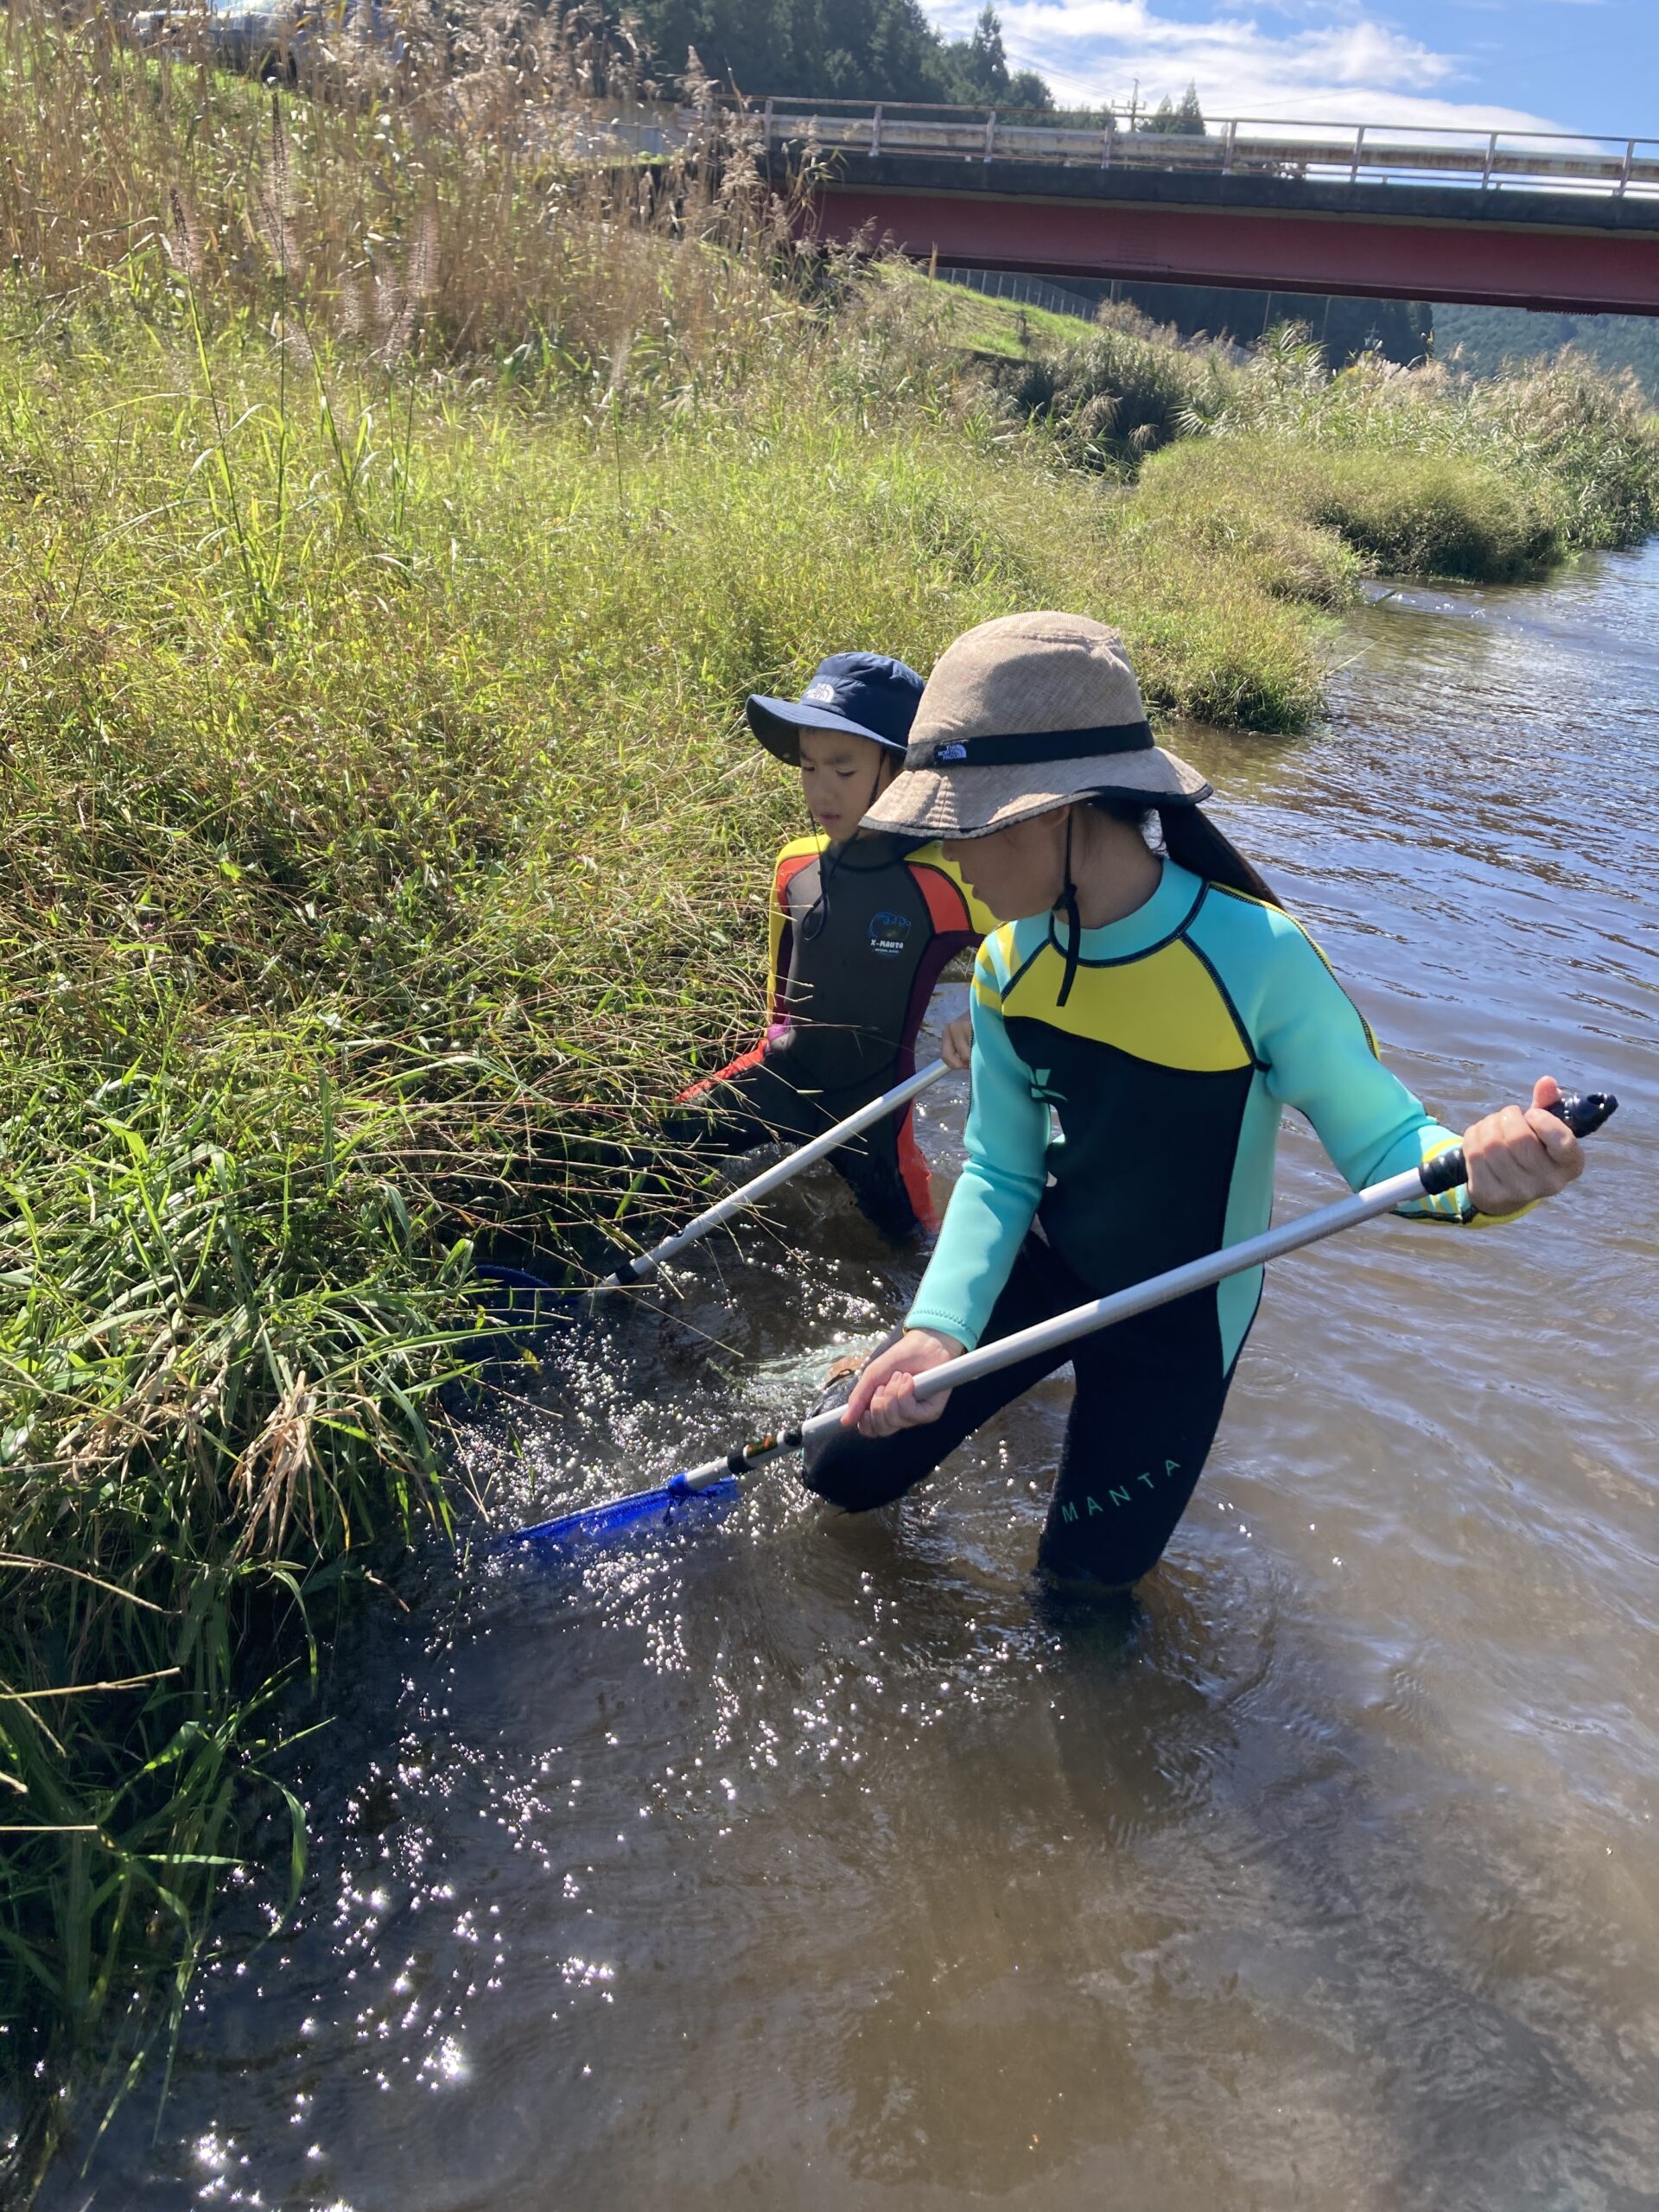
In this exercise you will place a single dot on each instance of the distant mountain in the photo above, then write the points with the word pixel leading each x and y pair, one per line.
pixel 1484 338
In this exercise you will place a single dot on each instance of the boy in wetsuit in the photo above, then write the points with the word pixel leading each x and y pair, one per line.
pixel 862 927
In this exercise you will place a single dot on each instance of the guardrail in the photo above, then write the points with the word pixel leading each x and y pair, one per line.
pixel 1231 146
pixel 1024 291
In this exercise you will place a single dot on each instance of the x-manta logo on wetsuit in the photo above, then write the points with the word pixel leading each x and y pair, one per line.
pixel 889 934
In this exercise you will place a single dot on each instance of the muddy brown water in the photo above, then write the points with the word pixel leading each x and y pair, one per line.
pixel 811 1864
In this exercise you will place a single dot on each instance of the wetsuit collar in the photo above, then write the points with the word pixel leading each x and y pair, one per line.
pixel 874 849
pixel 1159 918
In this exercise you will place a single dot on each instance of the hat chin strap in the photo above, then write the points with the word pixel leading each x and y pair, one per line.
pixel 1073 919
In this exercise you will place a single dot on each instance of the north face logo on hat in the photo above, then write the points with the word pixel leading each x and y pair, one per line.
pixel 819 694
pixel 951 752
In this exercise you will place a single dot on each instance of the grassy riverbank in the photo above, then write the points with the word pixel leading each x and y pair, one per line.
pixel 382 839
pixel 390 525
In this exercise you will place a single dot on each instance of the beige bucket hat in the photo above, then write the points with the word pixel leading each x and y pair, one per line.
pixel 1020 715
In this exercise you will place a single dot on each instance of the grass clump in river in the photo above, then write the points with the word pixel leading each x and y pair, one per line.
pixel 1419 471
pixel 380 585
pixel 1557 457
pixel 1394 513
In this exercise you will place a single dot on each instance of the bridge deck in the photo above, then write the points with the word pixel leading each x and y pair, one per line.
pixel 1237 146
pixel 1562 224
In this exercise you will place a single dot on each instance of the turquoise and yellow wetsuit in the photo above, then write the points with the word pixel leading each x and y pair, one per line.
pixel 859 934
pixel 1116 1135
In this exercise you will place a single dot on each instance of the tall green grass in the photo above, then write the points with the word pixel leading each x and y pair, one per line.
pixel 1120 391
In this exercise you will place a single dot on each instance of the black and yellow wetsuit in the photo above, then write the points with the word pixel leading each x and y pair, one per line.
pixel 859 934
pixel 1122 1132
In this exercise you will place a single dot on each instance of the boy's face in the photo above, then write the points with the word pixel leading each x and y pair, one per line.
pixel 840 776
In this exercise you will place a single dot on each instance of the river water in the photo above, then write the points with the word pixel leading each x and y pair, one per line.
pixel 809 1863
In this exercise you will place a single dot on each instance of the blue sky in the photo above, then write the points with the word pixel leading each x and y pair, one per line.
pixel 1574 65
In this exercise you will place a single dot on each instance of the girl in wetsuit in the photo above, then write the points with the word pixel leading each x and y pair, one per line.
pixel 862 924
pixel 1136 1037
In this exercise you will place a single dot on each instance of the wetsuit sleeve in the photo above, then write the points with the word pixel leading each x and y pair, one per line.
pixel 996 1197
pixel 1322 1060
pixel 779 936
pixel 779 932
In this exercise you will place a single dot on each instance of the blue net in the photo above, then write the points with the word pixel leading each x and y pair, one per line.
pixel 672 1506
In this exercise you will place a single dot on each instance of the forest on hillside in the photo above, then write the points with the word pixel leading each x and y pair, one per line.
pixel 838 49
pixel 1484 339
pixel 858 50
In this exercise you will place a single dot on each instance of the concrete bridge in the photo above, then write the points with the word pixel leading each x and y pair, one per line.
pixel 1491 219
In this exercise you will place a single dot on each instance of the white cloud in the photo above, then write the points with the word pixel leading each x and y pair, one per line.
pixel 1348 66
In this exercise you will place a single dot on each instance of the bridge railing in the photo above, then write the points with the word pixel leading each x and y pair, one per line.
pixel 1237 145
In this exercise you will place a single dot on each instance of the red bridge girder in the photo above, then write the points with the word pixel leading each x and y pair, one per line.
pixel 1568 252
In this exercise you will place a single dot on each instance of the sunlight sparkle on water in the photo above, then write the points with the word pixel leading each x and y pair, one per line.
pixel 213 2153
pixel 450 2061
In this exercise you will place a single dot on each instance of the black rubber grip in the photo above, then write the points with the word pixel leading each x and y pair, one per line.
pixel 1584 1112
pixel 616 1264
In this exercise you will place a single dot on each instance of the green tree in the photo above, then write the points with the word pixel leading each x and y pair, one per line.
pixel 979 73
pixel 1027 89
pixel 1184 118
pixel 985 67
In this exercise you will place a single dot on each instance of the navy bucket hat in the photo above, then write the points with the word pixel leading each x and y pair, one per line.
pixel 863 694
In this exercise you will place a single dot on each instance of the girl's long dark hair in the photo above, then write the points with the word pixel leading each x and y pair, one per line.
pixel 1192 841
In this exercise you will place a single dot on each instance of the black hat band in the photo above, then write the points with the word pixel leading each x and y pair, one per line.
pixel 1030 752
